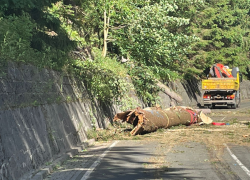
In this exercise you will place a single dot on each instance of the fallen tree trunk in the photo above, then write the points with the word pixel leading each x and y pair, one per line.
pixel 150 119
pixel 169 92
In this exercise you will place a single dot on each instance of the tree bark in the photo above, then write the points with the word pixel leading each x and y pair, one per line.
pixel 105 32
pixel 150 119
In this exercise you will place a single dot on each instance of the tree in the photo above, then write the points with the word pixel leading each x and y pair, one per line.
pixel 223 27
pixel 93 19
pixel 149 37
pixel 48 37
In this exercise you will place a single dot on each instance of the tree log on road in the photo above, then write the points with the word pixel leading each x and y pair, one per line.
pixel 150 119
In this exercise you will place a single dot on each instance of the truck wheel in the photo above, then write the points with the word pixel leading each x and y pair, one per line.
pixel 209 106
pixel 233 106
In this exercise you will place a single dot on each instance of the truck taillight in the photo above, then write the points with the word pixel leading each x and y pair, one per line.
pixel 230 96
pixel 206 96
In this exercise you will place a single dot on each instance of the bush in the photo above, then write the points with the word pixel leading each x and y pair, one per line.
pixel 105 77
pixel 16 35
pixel 15 38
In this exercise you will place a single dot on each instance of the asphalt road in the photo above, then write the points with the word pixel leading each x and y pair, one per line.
pixel 139 160
pixel 243 105
pixel 192 160
pixel 132 160
pixel 238 160
pixel 145 159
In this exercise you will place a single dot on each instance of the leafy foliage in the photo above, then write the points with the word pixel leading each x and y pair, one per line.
pixel 223 28
pixel 15 38
pixel 151 44
pixel 149 38
pixel 47 35
pixel 15 42
pixel 145 84
pixel 105 78
pixel 161 40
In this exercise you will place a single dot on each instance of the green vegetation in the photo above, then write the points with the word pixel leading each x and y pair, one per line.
pixel 108 43
pixel 223 28
pixel 111 133
pixel 27 34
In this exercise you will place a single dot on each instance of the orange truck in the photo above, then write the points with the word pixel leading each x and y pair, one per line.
pixel 222 87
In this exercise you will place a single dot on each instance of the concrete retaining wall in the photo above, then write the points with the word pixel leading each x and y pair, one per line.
pixel 43 114
pixel 245 90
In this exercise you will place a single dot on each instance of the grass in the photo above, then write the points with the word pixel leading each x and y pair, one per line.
pixel 234 121
pixel 214 162
pixel 207 132
pixel 248 124
pixel 161 130
pixel 246 140
pixel 229 133
pixel 183 134
pixel 164 168
pixel 48 163
pixel 136 137
pixel 113 132
pixel 178 127
pixel 56 167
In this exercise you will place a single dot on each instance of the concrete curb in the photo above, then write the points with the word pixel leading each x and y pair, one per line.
pixel 42 173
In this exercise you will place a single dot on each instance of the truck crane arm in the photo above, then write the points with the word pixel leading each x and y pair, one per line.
pixel 220 71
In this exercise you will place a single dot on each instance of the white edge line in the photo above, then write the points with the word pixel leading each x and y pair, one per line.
pixel 97 162
pixel 238 161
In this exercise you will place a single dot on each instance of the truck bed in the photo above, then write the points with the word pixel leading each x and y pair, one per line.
pixel 220 84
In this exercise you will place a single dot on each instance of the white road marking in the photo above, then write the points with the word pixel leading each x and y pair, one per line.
pixel 223 118
pixel 238 161
pixel 97 162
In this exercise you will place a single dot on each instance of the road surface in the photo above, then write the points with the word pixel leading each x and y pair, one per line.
pixel 145 159
pixel 243 105
pixel 173 154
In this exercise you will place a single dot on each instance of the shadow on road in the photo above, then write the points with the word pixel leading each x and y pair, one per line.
pixel 123 162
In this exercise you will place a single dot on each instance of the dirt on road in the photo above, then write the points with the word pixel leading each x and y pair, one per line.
pixel 177 142
pixel 235 132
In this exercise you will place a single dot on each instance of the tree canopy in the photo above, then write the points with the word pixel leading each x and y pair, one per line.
pixel 223 28
pixel 159 39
